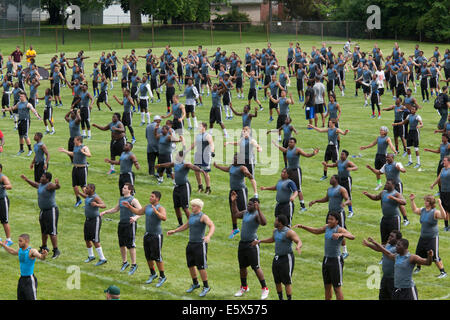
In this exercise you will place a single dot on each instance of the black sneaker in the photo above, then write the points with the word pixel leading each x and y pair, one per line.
pixel 56 253
pixel 200 188
pixel 41 249
pixel 208 190
pixel 124 266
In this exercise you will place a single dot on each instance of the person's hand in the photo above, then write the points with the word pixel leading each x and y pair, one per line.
pixel 45 166
pixel 365 193
pixel 336 236
pixel 23 177
pixel 391 197
pixel 61 149
pixel 255 243
pixel 44 253
pixel 107 160
pixel 370 239
pixel 133 219
pixel 365 243
pixel 412 196
pixel 32 165
pixel 430 253
pixel 170 232
pixel 311 203
pixel 207 239
pixel 256 205
pixel 126 204
pixel 233 196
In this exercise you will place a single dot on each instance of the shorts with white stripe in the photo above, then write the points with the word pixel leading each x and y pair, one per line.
pixel 331 153
pixel 48 219
pixel 126 178
pixel 27 288
pixel 285 209
pixel 426 244
pixel 241 200
pixel 79 176
pixel 215 115
pixel 153 247
pixel 387 225
pixel 196 255
pixel 248 255
pixel 48 113
pixel 92 229
pixel 4 210
pixel 399 131
pixel 282 268
pixel 22 127
pixel 405 294
pixel 347 184
pixel 386 288
pixel 295 174
pixel 127 234
pixel 332 271
pixel 181 195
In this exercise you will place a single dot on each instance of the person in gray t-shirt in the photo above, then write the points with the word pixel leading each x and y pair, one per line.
pixel 319 99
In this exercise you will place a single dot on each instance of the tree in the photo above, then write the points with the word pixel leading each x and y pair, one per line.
pixel 54 7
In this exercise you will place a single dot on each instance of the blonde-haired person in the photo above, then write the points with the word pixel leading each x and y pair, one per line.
pixel 197 247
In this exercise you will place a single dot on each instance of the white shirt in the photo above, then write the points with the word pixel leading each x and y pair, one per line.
pixel 398 165
pixel 380 79
pixel 319 91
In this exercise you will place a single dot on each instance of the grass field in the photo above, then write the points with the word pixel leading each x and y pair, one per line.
pixel 223 268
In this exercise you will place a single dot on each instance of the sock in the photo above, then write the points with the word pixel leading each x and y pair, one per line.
pixel 289 296
pixel 350 208
pixel 378 181
pixel 46 128
pixel 302 203
pixel 142 117
pixel 21 147
pixel 442 270
pixel 78 198
pixel 410 158
pixel 225 132
pixel 280 295
pixel 195 281
pixel 152 271
pixel 84 132
pixel 226 110
pixel 325 173
pixel 244 282
pixel 235 226
pixel 53 129
pixel 405 218
pixel 112 167
pixel 29 147
pixel 446 223
pixel 263 284
pixel 344 248
pixel 90 252
pixel 148 117
pixel 189 122
pixel 100 253
pixel 195 122
pixel 89 133
pixel 180 220
pixel 418 159
pixel 161 274
pixel 205 284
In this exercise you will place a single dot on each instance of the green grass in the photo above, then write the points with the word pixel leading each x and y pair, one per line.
pixel 223 268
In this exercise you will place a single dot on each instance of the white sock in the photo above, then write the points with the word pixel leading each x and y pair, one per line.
pixel 112 167
pixel 46 128
pixel 142 117
pixel 189 122
pixel 90 252
pixel 100 253
pixel 148 117
pixel 89 133
pixel 410 158
pixel 225 132
pixel 195 122
pixel 208 90
pixel 418 159
pixel 344 248
pixel 84 132
pixel 210 131
pixel 226 110
pixel 53 129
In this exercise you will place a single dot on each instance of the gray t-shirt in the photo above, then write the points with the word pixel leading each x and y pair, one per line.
pixel 319 90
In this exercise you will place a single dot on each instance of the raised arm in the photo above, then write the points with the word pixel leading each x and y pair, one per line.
pixel 30 182
pixel 413 204
pixel 311 229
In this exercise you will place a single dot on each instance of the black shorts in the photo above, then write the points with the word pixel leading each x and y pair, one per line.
pixel 154 84
pixel 126 232
pixel 445 199
pixel 85 114
pixel 332 271
pixel 127 119
pixel 241 200
pixel 319 108
pixel 366 89
pixel 280 120
pixel 5 100
pixel 347 184
pixel 116 147
pixel 266 79
pixel 252 94
pixel 133 92
pixel 239 83
pixel 143 105
pixel 181 196
pixel 426 244
pixel 94 84
pixel 413 139
pixel 4 210
pixel 70 144
pixel 248 255
pixel 124 82
pixel 392 82
pixel 341 219
pixel 331 153
pixel 153 247
pixel 401 91
pixel 27 288
pixel 56 89
pixel 386 288
pixel 387 225
pixel 405 294
pixel 358 85
pixel 295 175
pixel 92 229
pixel 282 268
pixel 433 83
pixel 226 99
pixel 424 83
pixel 38 171
pixel 330 85
pixel 22 127
pixel 126 178
pixel 196 255
pixel 286 209
pixel 273 105
pixel 375 98
pixel 48 219
pixel 380 161
pixel 190 108
pixel 48 113
pixel 299 84
pixel 177 125
pixel 79 176
pixel 399 131
pixel 447 73
pixel 103 96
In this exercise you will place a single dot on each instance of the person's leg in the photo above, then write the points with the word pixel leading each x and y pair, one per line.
pixel 133 255
pixel 338 292
pixel 328 291
pixel 123 253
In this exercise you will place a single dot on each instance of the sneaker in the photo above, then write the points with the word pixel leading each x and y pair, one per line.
pixel 417 166
pixel 446 229
pixel 323 178
pixel 161 282
pixel 192 288
pixel 200 189
pixel 100 262
pixel 241 291
pixel 204 292
pixel 133 141
pixel 89 259
pixel 409 163
pixel 47 131
pixel 345 255
pixel 379 117
pixel 9 243
pixel 151 278
pixel 404 154
pixel 208 190
pixel 124 266
pixel 270 120
pixel 89 137
pixel 233 233
pixel 53 132
pixel 372 116
pixel 133 269
pixel 381 261
pixel 378 186
pixel 303 209
pixel 141 124
pixel 350 214
pixel 79 202
pixel 416 271
pixel 406 222
pixel 189 128
pixel 159 100
pixel 160 180
pixel 111 171
pixel 56 253
pixel 442 275
pixel 264 293
pixel 261 108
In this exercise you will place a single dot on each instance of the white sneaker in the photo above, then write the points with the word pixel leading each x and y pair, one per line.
pixel 241 291
pixel 264 293
pixel 406 222
pixel 378 186
pixel 350 214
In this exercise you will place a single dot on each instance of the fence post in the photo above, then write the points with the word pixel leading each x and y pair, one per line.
pixel 56 39
pixel 90 37
pixel 211 28
pixel 121 37
pixel 240 31
pixel 321 30
pixel 267 31
pixel 183 35
pixel 153 33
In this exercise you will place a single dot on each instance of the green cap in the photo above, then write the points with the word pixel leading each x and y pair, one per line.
pixel 113 290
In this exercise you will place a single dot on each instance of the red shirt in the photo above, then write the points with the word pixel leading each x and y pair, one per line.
pixel 1 134
pixel 17 55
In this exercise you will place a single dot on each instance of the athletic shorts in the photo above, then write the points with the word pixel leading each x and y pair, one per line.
pixel 85 113
pixel 154 84
pixel 56 89
pixel 399 131
pixel 280 120
pixel 133 93
pixel 392 82
pixel 424 83
pixel 79 176
pixel 330 85
pixel 358 85
pixel 241 200
pixel 127 119
pixel 386 288
pixel 366 89
pixel 375 98
pixel 22 127
pixel 426 244
pixel 380 161
pixel 177 125
pixel 190 108
pixel 401 91
pixel 387 225
pixel 5 100
pixel 248 255
pixel 143 105
pixel 286 209
pixel 48 113
pixel 250 166
pixel 332 271
pixel 215 115
pixel 282 268
pixel 164 158
pixel 196 255
pixel 310 112
pixel 94 84
pixel 445 199
pixel 226 99
pixel 295 174
pixel 70 144
pixel 92 229
pixel 331 153
pixel 273 105
pixel 266 79
pixel 299 84
pixel 405 294
pixel 252 94
pixel 103 96
pixel 27 288
pixel 433 83
pixel 126 178
pixel 347 184
pixel 124 82
pixel 38 171
pixel 153 247
pixel 285 143
pixel 116 147
pixel 341 219
pixel 181 196
pixel 126 232
pixel 319 108
pixel 4 210
pixel 48 219
pixel 413 139
pixel 239 83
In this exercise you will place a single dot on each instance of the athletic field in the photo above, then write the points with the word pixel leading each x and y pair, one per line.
pixel 56 277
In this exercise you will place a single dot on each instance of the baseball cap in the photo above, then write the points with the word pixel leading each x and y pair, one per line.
pixel 113 290
pixel 156 118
